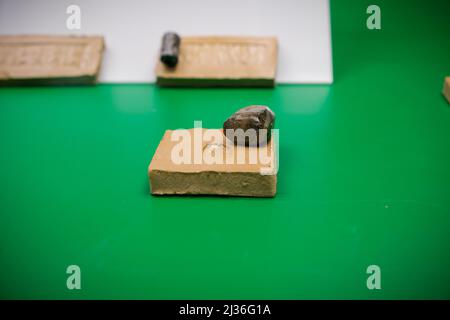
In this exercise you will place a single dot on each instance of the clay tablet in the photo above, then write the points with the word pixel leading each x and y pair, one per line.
pixel 49 60
pixel 255 176
pixel 446 89
pixel 222 61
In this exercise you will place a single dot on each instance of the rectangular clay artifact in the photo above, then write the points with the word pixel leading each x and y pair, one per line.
pixel 49 60
pixel 446 89
pixel 222 61
pixel 248 178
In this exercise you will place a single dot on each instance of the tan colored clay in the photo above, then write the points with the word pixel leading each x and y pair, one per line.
pixel 222 61
pixel 246 179
pixel 50 59
pixel 446 89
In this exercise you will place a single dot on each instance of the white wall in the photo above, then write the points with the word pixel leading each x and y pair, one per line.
pixel 133 29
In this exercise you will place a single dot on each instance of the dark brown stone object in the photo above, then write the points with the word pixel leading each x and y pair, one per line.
pixel 252 117
pixel 170 49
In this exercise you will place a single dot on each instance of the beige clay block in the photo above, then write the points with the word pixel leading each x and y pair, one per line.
pixel 222 61
pixel 251 178
pixel 446 89
pixel 52 60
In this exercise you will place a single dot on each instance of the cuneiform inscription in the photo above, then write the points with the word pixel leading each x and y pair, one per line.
pixel 42 55
pixel 225 54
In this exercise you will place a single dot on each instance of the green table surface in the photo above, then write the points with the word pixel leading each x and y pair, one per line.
pixel 364 179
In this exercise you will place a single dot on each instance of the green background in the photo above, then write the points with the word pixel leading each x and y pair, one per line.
pixel 364 179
